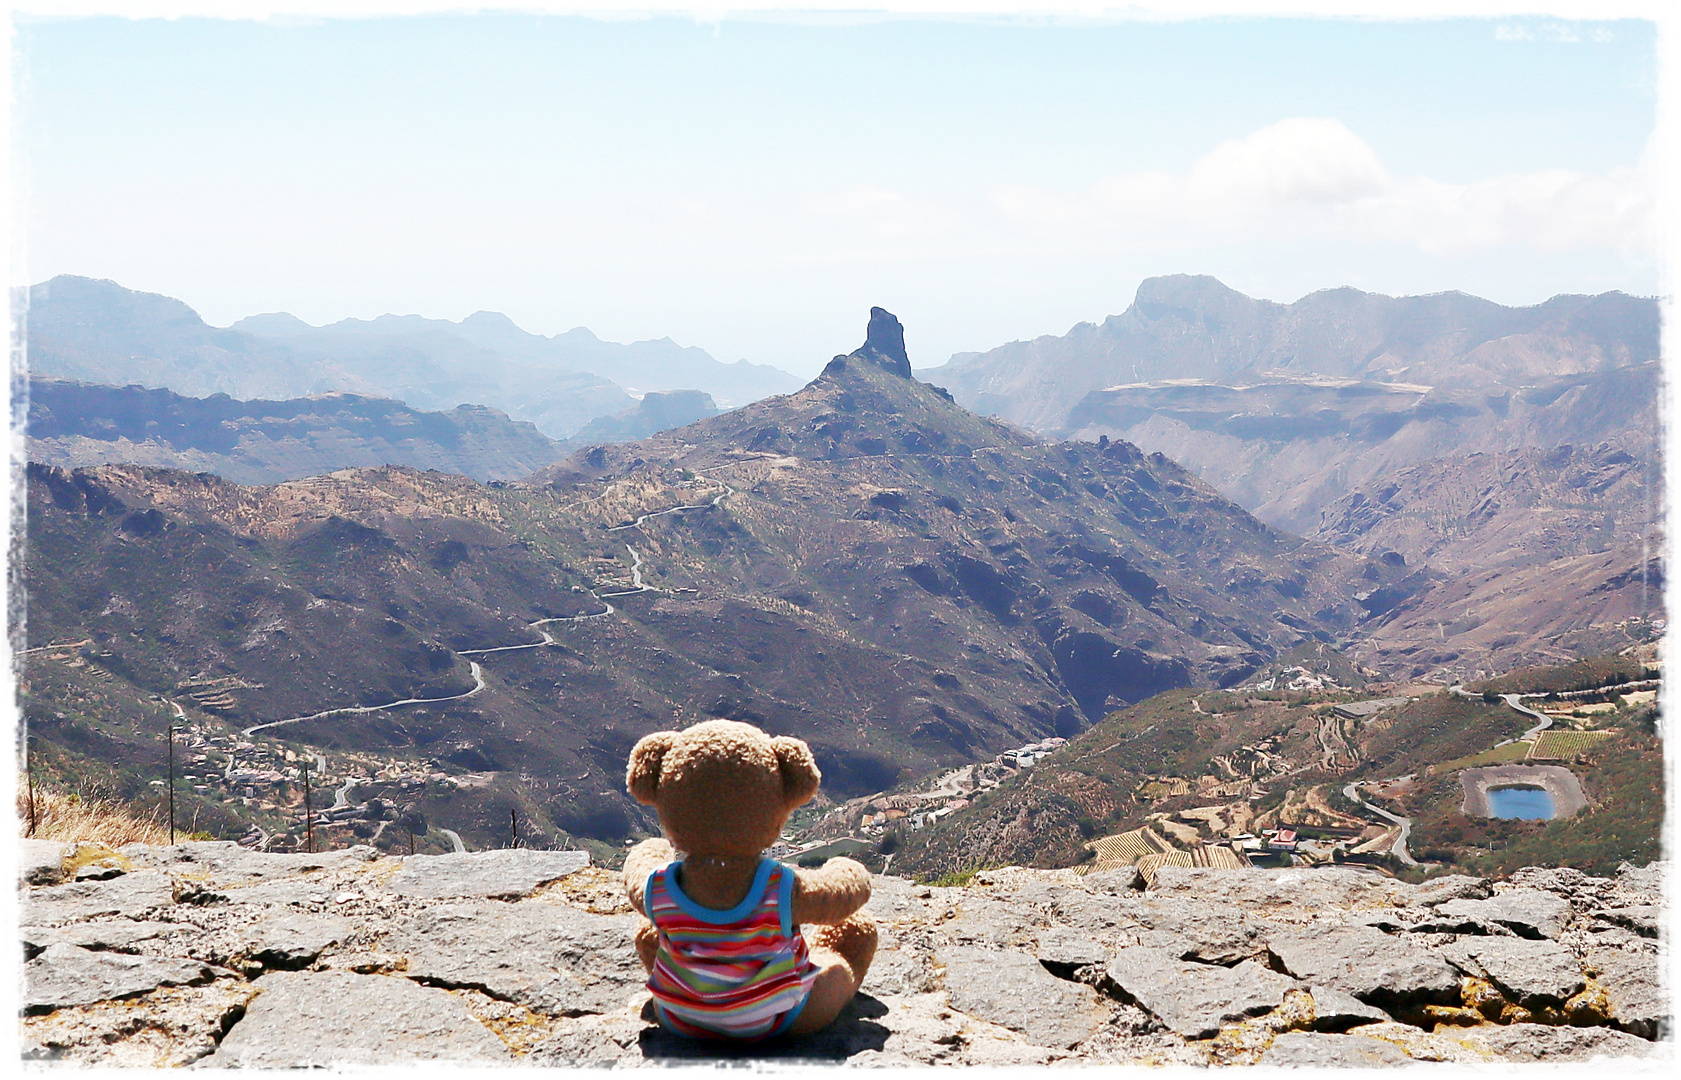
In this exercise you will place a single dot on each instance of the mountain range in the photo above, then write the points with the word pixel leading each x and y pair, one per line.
pixel 265 442
pixel 863 563
pixel 1287 408
pixel 99 332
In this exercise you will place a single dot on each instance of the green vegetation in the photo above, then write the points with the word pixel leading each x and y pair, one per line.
pixel 1437 728
pixel 956 878
pixel 1499 755
pixel 1624 778
pixel 1567 745
pixel 1585 674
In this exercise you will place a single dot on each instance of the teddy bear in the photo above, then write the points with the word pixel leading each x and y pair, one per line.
pixel 738 946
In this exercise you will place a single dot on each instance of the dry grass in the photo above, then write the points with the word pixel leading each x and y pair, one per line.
pixel 96 820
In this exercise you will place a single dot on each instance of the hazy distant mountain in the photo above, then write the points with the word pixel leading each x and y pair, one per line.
pixel 656 412
pixel 425 363
pixel 639 367
pixel 1286 408
pixel 1193 327
pixel 99 332
pixel 267 442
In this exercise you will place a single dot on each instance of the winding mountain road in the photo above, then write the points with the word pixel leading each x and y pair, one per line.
pixel 1534 732
pixel 637 585
pixel 341 795
pixel 350 710
pixel 1516 702
pixel 1399 847
pixel 709 504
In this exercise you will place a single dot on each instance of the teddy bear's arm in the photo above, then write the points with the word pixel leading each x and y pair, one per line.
pixel 831 892
pixel 644 859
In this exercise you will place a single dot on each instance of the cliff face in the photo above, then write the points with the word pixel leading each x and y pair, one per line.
pixel 1286 409
pixel 208 951
pixel 267 442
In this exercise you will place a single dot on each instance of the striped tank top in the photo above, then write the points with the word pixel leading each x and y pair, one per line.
pixel 736 974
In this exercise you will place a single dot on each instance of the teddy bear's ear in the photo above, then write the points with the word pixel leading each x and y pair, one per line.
pixel 799 770
pixel 642 778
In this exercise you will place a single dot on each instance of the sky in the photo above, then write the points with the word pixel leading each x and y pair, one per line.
pixel 753 184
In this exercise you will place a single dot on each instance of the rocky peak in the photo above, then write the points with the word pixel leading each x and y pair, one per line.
pixel 884 342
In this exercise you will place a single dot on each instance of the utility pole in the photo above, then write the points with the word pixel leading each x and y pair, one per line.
pixel 309 815
pixel 171 736
pixel 29 766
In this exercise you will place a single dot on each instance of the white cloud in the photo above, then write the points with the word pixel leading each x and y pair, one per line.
pixel 1310 178
pixel 1300 160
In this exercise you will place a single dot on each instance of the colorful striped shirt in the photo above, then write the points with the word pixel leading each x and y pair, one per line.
pixel 737 974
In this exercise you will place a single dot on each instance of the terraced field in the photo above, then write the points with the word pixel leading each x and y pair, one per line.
pixel 1566 745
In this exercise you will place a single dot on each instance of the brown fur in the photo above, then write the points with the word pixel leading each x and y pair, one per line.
pixel 723 790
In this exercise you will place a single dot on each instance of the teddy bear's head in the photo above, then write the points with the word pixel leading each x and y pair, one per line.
pixel 721 787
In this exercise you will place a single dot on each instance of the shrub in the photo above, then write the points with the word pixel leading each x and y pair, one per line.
pixel 99 820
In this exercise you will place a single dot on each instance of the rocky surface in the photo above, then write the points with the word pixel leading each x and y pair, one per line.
pixel 206 952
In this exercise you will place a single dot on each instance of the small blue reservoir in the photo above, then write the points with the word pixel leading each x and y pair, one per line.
pixel 1521 801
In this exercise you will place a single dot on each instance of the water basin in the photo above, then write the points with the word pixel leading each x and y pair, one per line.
pixel 1521 801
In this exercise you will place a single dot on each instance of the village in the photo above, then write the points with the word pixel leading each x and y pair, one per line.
pixel 277 784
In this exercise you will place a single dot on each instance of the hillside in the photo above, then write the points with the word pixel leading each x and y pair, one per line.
pixel 1537 556
pixel 1518 508
pixel 265 442
pixel 863 563
pixel 1200 768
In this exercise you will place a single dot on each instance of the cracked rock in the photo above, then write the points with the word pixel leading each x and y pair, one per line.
pixel 1014 991
pixel 66 975
pixel 1540 1042
pixel 1530 973
pixel 117 935
pixel 1373 966
pixel 551 958
pixel 294 941
pixel 41 862
pixel 131 895
pixel 503 874
pixel 1634 985
pixel 166 1028
pixel 1452 887
pixel 1334 1010
pixel 1530 913
pixel 1309 1049
pixel 1196 1000
pixel 315 1019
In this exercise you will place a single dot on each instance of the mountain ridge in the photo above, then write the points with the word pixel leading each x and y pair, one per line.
pixel 863 563
pixel 263 442
pixel 100 332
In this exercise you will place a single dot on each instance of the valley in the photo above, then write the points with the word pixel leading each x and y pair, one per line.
pixel 952 611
